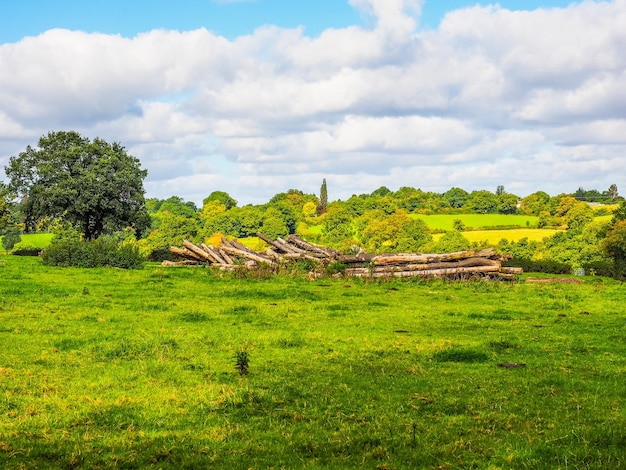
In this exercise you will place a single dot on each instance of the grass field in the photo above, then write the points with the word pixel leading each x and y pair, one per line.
pixel 477 221
pixel 108 368
pixel 494 236
pixel 37 240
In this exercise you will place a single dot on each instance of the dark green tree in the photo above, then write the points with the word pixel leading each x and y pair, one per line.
pixel 94 185
pixel 322 204
pixel 482 202
pixel 5 207
pixel 456 197
pixel 222 197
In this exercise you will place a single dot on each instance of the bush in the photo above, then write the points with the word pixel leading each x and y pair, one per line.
pixel 540 266
pixel 103 251
pixel 26 249
pixel 12 236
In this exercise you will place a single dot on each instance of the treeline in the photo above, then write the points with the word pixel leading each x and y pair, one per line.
pixel 90 194
pixel 381 221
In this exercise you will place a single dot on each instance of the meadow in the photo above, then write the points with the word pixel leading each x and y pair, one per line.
pixel 477 221
pixel 187 368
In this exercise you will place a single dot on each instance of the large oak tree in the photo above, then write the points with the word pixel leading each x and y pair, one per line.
pixel 94 185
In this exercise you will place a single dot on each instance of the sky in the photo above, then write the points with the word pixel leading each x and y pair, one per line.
pixel 257 97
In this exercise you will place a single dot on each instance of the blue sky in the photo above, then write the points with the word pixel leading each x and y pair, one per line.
pixel 21 18
pixel 423 93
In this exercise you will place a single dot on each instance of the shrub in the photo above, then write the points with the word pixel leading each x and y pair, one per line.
pixel 12 236
pixel 103 251
pixel 26 249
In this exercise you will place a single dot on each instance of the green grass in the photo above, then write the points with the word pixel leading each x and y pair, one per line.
pixel 477 221
pixel 494 236
pixel 37 240
pixel 108 368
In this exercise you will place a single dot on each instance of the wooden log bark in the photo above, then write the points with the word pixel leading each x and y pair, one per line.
pixel 244 254
pixel 186 262
pixel 310 247
pixel 270 242
pixel 427 272
pixel 185 253
pixel 422 258
pixel 209 250
pixel 466 263
pixel 197 250
pixel 511 270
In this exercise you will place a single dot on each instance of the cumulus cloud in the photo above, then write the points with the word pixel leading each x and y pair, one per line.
pixel 528 99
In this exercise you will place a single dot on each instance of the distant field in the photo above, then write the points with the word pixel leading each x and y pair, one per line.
pixel 38 240
pixel 446 221
pixel 494 236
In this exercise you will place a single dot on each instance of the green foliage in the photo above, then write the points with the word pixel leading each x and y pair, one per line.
pixel 458 225
pixel 337 227
pixel 578 216
pixel 106 250
pixel 482 202
pixel 242 362
pixel 172 230
pixel 535 203
pixel 507 203
pixel 394 233
pixel 94 185
pixel 222 198
pixel 322 204
pixel 451 242
pixel 615 246
pixel 10 237
pixel 456 197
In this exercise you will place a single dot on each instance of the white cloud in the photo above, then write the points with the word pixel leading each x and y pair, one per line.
pixel 532 100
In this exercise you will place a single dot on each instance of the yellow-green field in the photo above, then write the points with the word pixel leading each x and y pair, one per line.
pixel 446 221
pixel 494 236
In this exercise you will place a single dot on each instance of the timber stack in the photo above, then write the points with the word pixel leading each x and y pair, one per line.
pixel 231 255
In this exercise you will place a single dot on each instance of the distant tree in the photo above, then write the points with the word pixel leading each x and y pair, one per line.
pixel 619 213
pixel 451 242
pixel 615 246
pixel 535 203
pixel 500 190
pixel 382 191
pixel 507 203
pixel 395 232
pixel 5 207
pixel 322 204
pixel 456 197
pixel 613 193
pixel 482 202
pixel 337 227
pixel 95 185
pixel 222 197
pixel 177 205
pixel 578 216
pixel 458 225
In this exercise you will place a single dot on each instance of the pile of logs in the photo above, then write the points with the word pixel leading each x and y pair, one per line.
pixel 232 255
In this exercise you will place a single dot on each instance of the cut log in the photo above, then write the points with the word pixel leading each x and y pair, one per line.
pixel 310 247
pixel 197 250
pixel 422 258
pixel 244 254
pixel 511 270
pixel 427 272
pixel 185 253
pixel 186 262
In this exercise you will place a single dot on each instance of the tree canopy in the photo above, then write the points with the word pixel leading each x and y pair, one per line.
pixel 94 185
